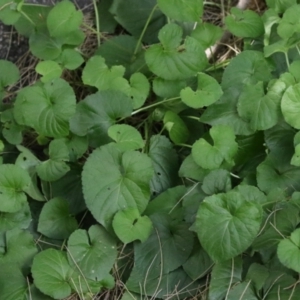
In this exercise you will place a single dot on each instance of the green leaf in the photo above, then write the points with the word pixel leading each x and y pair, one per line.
pixel 126 137
pixel 280 6
pixel 223 276
pixel 260 110
pixel 12 132
pixel 10 76
pixel 114 180
pixel 10 11
pixel 167 88
pixel 217 181
pixel 63 19
pixel 180 10
pixel 242 289
pixel 13 181
pixel 165 163
pixel 120 50
pixel 176 127
pixel 49 69
pixel 129 225
pixel 172 61
pixel 244 23
pixel 133 15
pixel 295 161
pixel 46 108
pixel 227 224
pixel 20 220
pixel 55 220
pixel 96 73
pixel 50 271
pixel 93 252
pixel 77 146
pixel 224 149
pixel 207 34
pixel 257 274
pixel 139 89
pixel 249 67
pixel 106 19
pixel 70 59
pixel 273 172
pixel 288 251
pixel 55 167
pixel 290 105
pixel 97 112
pixel 20 248
pixel 289 23
pixel 208 91
pixel 43 46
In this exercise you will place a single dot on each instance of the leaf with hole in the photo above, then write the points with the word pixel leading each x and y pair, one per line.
pixel 13 181
pixel 114 180
pixel 208 91
pixel 129 225
pixel 46 108
pixel 55 220
pixel 172 61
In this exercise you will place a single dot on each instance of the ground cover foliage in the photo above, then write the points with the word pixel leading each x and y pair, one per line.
pixel 166 176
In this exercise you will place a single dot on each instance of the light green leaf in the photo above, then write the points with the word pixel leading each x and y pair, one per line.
pixel 13 181
pixel 224 149
pixel 55 167
pixel 139 89
pixel 11 131
pixel 55 220
pixel 97 112
pixel 11 74
pixel 295 161
pixel 70 59
pixel 217 181
pixel 126 137
pixel 165 163
pixel 288 251
pixel 46 108
pixel 260 110
pixel 49 69
pixel 208 91
pixel 223 276
pixel 50 271
pixel 63 19
pixel 290 105
pixel 182 10
pixel 244 23
pixel 176 127
pixel 96 73
pixel 289 23
pixel 280 6
pixel 129 225
pixel 77 146
pixel 10 11
pixel 172 61
pixel 93 252
pixel 227 224
pixel 114 180
pixel 207 34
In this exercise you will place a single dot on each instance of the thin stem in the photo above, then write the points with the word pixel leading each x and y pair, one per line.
pixel 154 105
pixel 139 42
pixel 287 59
pixel 90 28
pixel 185 145
pixel 297 47
pixel 27 17
pixel 192 118
pixel 97 22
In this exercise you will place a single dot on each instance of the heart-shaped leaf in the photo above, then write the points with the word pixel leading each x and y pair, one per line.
pixel 172 61
pixel 290 105
pixel 224 148
pixel 10 11
pixel 208 91
pixel 126 137
pixel 129 225
pixel 49 69
pixel 93 252
pixel 46 108
pixel 114 180
pixel 55 220
pixel 289 24
pixel 13 181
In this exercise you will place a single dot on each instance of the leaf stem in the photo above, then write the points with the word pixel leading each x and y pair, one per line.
pixel 193 118
pixel 97 21
pixel 184 145
pixel 139 42
pixel 27 17
pixel 154 105
pixel 287 59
